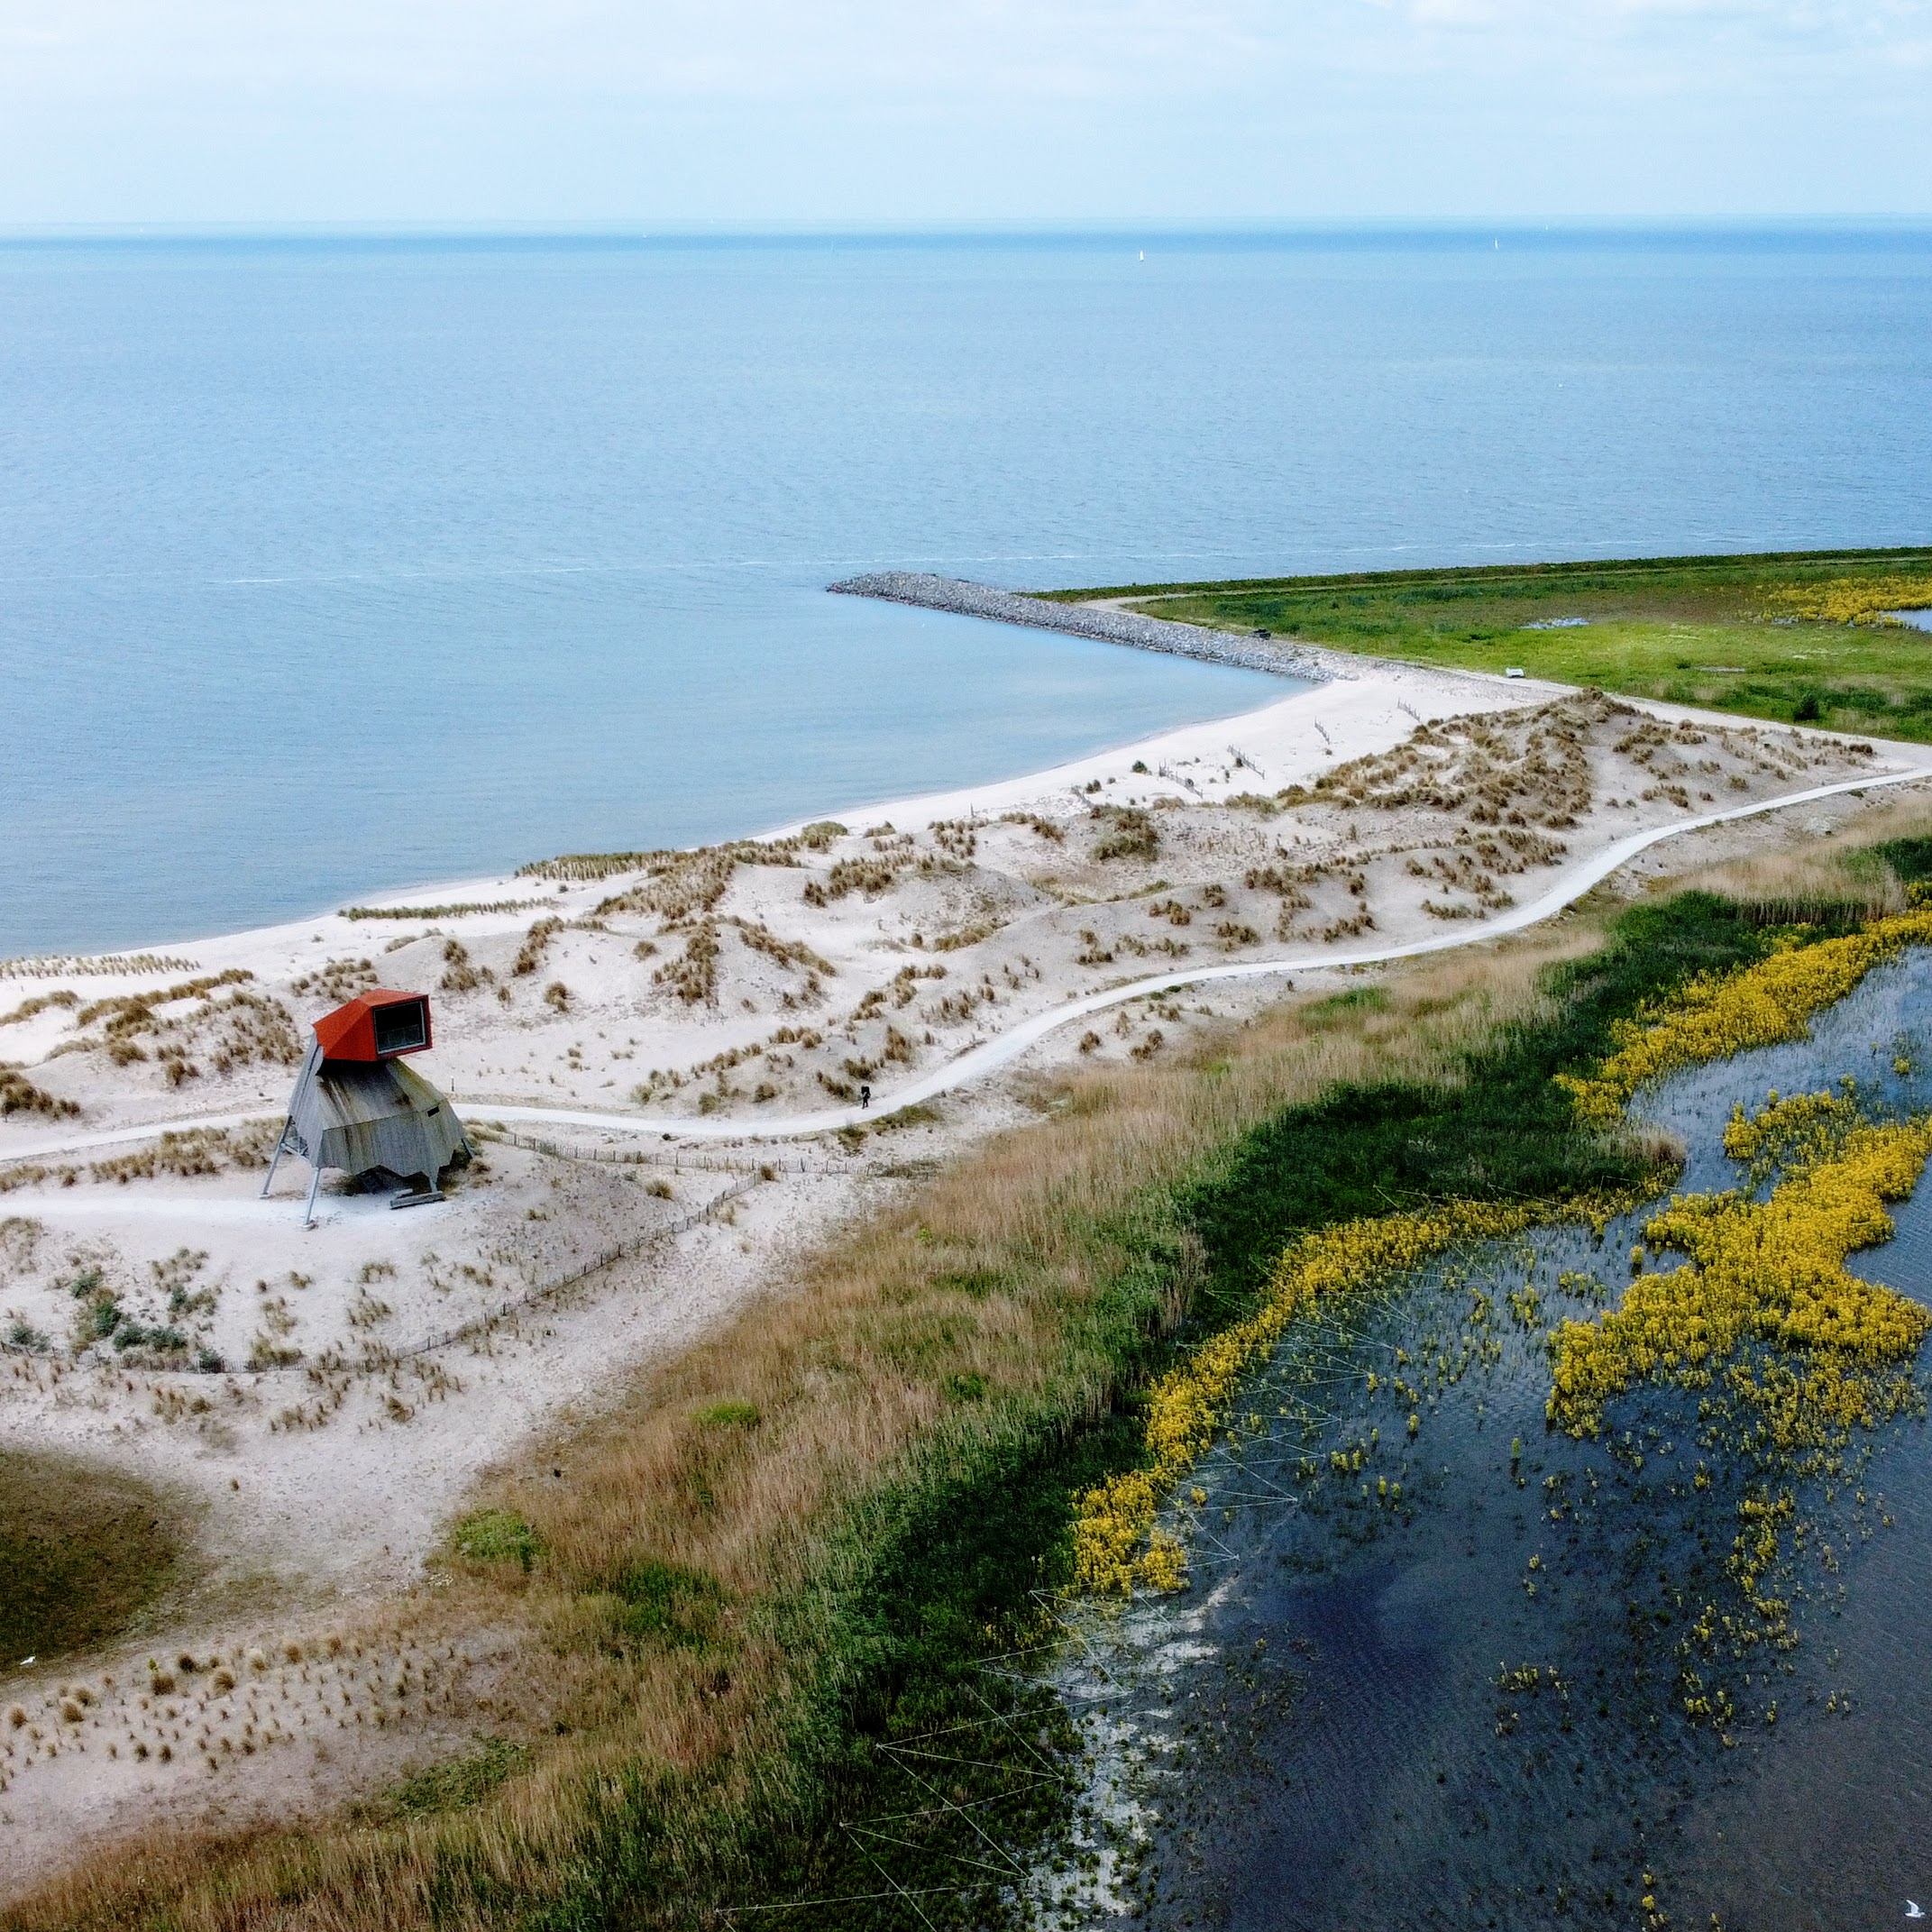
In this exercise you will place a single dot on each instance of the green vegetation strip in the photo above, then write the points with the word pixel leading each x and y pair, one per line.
pixel 465 910
pixel 1763 637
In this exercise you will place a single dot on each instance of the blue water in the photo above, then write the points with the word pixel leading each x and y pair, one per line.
pixel 1333 1748
pixel 333 564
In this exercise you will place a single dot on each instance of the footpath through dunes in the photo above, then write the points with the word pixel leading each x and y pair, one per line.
pixel 760 986
pixel 334 1400
pixel 977 1062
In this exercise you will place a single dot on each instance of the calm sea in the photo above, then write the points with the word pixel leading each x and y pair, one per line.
pixel 328 565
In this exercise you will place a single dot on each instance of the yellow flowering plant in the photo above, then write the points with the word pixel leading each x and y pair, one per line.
pixel 1719 1014
pixel 1794 1350
pixel 1188 1407
pixel 1770 1272
pixel 1768 1275
pixel 1855 600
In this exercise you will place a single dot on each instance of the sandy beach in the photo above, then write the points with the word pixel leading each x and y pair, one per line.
pixel 665 1055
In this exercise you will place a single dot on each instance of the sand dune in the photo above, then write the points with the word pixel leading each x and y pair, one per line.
pixel 635 1009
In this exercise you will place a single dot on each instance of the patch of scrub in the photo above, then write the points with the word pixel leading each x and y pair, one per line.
pixel 83 1553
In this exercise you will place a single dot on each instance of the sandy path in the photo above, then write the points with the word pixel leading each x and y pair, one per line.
pixel 980 1060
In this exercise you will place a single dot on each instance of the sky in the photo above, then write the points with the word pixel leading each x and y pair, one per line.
pixel 565 112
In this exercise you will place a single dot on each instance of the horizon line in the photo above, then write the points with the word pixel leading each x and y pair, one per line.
pixel 871 228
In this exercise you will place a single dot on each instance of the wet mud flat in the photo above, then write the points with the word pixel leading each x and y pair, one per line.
pixel 1478 1672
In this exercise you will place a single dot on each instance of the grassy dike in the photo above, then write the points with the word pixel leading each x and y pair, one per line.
pixel 769 1618
pixel 1793 637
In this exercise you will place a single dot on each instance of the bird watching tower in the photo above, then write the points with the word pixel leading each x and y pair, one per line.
pixel 358 1109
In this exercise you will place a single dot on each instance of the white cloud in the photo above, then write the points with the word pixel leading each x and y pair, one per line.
pixel 686 49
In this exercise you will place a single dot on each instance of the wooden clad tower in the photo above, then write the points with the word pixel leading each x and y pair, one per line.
pixel 358 1109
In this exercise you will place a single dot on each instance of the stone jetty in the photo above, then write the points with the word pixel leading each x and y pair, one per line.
pixel 1282 656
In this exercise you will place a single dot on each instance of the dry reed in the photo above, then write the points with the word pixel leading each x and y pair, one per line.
pixel 1834 874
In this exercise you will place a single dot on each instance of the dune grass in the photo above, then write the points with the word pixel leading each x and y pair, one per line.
pixel 1763 637
pixel 768 1593
pixel 1864 870
pixel 465 910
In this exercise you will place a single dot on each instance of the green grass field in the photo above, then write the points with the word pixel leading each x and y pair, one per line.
pixel 83 1553
pixel 1765 637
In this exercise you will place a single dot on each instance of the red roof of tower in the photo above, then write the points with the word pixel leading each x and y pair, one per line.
pixel 375 1025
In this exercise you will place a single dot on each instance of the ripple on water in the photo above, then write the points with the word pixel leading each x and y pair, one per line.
pixel 1350 1734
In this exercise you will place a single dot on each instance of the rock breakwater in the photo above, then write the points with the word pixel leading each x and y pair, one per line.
pixel 1283 658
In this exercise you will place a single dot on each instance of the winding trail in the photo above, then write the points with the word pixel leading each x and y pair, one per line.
pixel 978 1062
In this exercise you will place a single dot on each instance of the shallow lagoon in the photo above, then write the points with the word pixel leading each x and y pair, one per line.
pixel 1447 1707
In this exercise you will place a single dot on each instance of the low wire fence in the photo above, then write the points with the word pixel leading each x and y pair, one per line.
pixel 677 1163
pixel 482 1325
